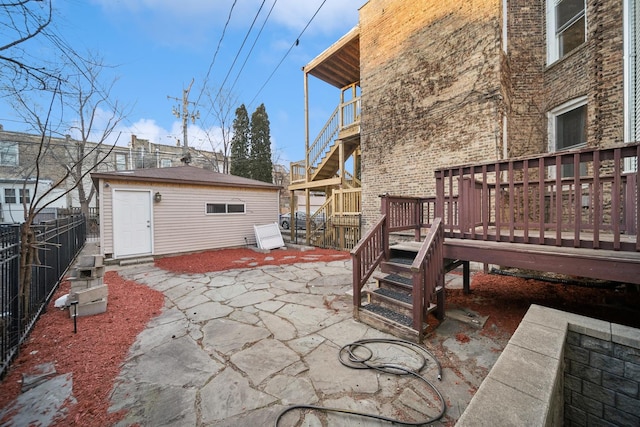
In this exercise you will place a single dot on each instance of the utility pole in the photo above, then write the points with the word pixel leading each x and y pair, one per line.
pixel 185 115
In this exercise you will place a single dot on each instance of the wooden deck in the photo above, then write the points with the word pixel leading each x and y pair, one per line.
pixel 525 213
pixel 600 264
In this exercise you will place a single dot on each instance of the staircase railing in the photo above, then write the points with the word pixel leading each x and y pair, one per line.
pixel 428 272
pixel 327 135
pixel 367 255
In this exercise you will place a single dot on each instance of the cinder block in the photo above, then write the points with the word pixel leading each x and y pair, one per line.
pixel 85 261
pixel 98 260
pixel 78 284
pixel 89 272
pixel 89 309
pixel 91 294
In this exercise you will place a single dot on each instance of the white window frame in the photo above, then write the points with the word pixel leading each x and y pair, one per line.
pixel 553 42
pixel 9 150
pixel 24 193
pixel 552 115
pixel 165 163
pixel 14 197
pixel 631 39
pixel 226 208
pixel 121 161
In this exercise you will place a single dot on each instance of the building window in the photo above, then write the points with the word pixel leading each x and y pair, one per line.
pixel 566 27
pixel 24 196
pixel 9 195
pixel 225 208
pixel 8 153
pixel 165 163
pixel 631 78
pixel 568 130
pixel 121 161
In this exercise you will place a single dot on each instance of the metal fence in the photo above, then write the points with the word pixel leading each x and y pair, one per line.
pixel 59 242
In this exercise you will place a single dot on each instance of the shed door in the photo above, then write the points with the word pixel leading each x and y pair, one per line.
pixel 131 223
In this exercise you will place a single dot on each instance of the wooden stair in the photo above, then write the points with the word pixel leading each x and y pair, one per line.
pixel 390 303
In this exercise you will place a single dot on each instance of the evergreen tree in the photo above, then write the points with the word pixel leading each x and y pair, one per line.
pixel 240 162
pixel 261 164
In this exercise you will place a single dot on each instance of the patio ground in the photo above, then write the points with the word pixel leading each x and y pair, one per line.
pixel 105 352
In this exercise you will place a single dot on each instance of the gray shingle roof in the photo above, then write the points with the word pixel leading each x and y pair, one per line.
pixel 183 175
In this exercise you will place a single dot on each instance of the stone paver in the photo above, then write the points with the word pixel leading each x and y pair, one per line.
pixel 236 347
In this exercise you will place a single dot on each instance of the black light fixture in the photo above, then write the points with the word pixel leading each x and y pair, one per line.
pixel 157 197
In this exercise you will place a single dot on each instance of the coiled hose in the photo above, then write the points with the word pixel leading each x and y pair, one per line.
pixel 348 358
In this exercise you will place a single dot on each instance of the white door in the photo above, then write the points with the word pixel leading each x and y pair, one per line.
pixel 131 223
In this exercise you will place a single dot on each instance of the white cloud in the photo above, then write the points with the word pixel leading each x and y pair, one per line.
pixel 194 21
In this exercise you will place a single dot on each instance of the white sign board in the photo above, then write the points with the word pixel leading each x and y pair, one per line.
pixel 268 236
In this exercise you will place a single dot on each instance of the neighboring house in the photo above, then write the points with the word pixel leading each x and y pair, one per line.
pixel 447 83
pixel 15 193
pixel 161 211
pixel 19 153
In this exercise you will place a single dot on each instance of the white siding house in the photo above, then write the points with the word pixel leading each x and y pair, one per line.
pixel 146 212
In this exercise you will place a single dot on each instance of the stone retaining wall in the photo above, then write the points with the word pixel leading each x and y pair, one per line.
pixel 601 382
pixel 562 369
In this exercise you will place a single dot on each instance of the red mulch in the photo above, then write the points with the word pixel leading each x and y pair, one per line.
pixel 94 354
pixel 506 299
pixel 228 259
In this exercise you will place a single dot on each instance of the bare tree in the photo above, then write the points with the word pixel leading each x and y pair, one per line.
pixel 29 244
pixel 222 106
pixel 67 82
pixel 21 22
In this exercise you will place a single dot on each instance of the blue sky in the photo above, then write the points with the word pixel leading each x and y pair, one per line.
pixel 158 46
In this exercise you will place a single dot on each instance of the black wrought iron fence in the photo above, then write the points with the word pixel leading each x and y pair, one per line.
pixel 59 242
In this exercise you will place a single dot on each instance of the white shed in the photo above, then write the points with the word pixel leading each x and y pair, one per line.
pixel 160 211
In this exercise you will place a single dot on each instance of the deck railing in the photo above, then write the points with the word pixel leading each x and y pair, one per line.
pixel 583 198
pixel 345 115
pixel 428 272
pixel 367 255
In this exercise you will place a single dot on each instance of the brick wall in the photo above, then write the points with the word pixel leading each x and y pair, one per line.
pixel 436 84
pixel 430 92
pixel 601 382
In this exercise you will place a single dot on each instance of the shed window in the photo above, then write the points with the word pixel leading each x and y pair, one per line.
pixel 225 208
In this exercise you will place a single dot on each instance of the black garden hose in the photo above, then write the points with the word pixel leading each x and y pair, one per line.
pixel 348 358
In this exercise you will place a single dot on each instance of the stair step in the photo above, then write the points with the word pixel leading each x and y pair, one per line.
pixel 396 265
pixel 394 280
pixel 389 314
pixel 401 260
pixel 395 296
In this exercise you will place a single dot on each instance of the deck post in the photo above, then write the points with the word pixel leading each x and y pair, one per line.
pixel 466 277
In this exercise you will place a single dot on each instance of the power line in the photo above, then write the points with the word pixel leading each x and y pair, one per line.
pixel 295 43
pixel 254 44
pixel 240 49
pixel 206 78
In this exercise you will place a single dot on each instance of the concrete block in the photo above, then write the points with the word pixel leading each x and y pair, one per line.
pixel 528 371
pixel 98 260
pixel 92 294
pixel 85 261
pixel 81 284
pixel 607 363
pixel 88 309
pixel 89 272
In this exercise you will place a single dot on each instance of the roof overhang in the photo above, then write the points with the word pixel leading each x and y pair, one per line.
pixel 339 65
